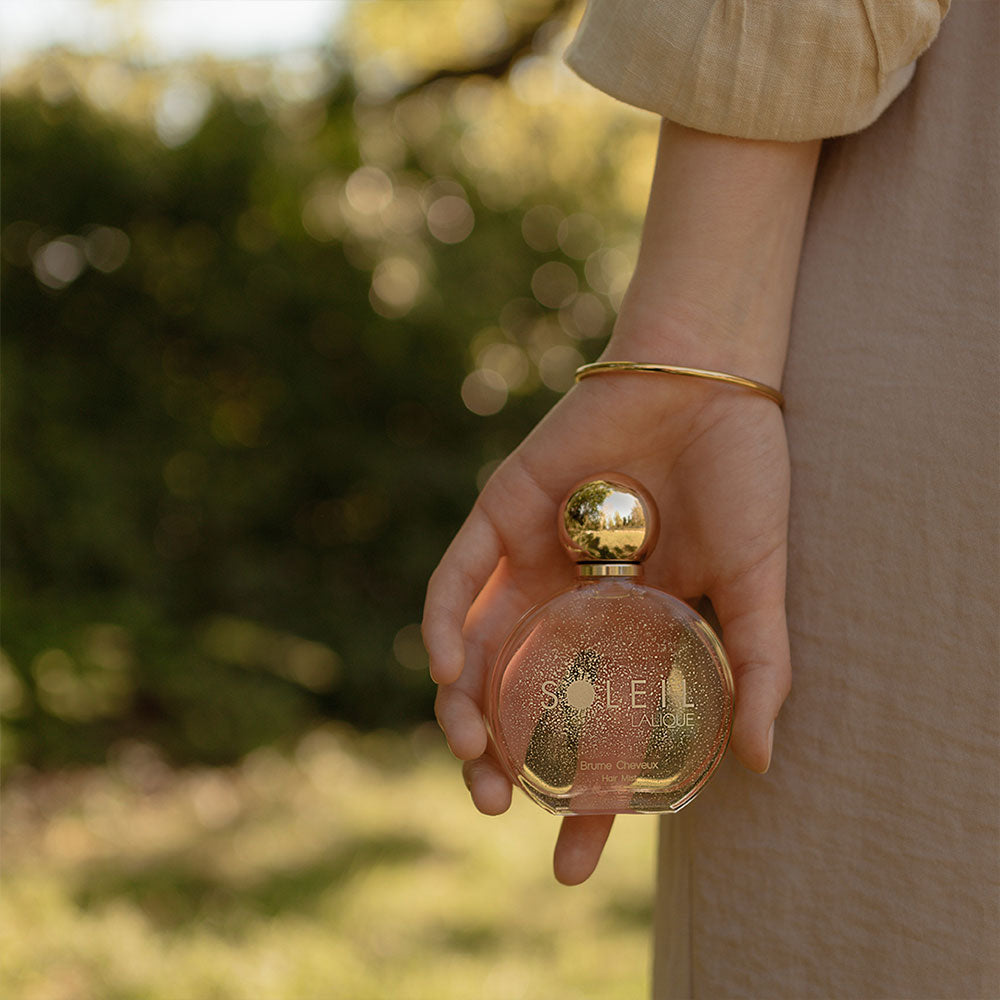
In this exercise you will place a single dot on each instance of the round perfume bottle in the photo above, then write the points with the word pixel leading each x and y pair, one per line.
pixel 613 696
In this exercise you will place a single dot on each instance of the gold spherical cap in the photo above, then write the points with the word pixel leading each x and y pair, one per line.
pixel 608 518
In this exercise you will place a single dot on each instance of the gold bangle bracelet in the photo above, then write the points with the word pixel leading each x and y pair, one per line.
pixel 611 367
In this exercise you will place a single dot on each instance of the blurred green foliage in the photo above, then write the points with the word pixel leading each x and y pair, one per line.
pixel 253 368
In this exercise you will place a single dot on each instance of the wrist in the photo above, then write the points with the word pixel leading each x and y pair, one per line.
pixel 696 339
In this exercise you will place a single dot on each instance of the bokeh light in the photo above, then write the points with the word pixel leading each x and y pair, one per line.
pixel 557 366
pixel 450 219
pixel 508 360
pixel 554 284
pixel 484 392
pixel 106 248
pixel 408 647
pixel 181 109
pixel 60 262
pixel 395 286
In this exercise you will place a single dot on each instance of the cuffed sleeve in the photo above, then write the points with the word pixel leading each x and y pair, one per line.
pixel 756 69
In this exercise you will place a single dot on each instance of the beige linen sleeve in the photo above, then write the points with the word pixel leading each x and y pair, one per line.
pixel 756 69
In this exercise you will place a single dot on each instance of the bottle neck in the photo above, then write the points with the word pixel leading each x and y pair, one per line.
pixel 604 570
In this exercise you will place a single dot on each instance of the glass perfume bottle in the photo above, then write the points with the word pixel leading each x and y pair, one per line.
pixel 613 696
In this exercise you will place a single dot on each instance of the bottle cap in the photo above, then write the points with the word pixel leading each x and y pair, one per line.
pixel 608 524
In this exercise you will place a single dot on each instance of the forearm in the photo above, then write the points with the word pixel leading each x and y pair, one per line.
pixel 715 279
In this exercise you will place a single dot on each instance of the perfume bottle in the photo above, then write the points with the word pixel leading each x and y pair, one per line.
pixel 613 696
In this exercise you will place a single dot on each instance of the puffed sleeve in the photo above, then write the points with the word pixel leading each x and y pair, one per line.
pixel 757 69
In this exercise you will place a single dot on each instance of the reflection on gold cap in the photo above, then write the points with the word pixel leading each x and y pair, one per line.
pixel 609 518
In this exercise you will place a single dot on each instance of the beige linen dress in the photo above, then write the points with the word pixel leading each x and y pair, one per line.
pixel 866 863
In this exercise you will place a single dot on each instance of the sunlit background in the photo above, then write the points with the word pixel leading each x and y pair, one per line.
pixel 283 282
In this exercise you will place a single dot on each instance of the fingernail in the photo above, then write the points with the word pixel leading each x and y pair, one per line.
pixel 447 669
pixel 467 775
pixel 770 747
pixel 438 673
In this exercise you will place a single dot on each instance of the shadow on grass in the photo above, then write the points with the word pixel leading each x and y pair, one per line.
pixel 631 912
pixel 173 892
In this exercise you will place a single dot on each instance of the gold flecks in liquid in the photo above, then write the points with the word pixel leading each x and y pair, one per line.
pixel 614 697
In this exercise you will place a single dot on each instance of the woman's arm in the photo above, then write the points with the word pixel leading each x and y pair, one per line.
pixel 713 288
pixel 715 278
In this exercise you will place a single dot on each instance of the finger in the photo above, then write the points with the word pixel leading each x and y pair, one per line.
pixel 762 692
pixel 459 705
pixel 500 604
pixel 752 615
pixel 489 786
pixel 578 847
pixel 461 574
pixel 461 720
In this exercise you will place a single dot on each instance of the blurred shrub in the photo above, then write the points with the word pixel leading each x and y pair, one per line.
pixel 255 360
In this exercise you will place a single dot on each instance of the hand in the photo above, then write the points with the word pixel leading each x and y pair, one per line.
pixel 715 460
pixel 712 288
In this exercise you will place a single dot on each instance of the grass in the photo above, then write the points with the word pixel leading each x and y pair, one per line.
pixel 353 867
